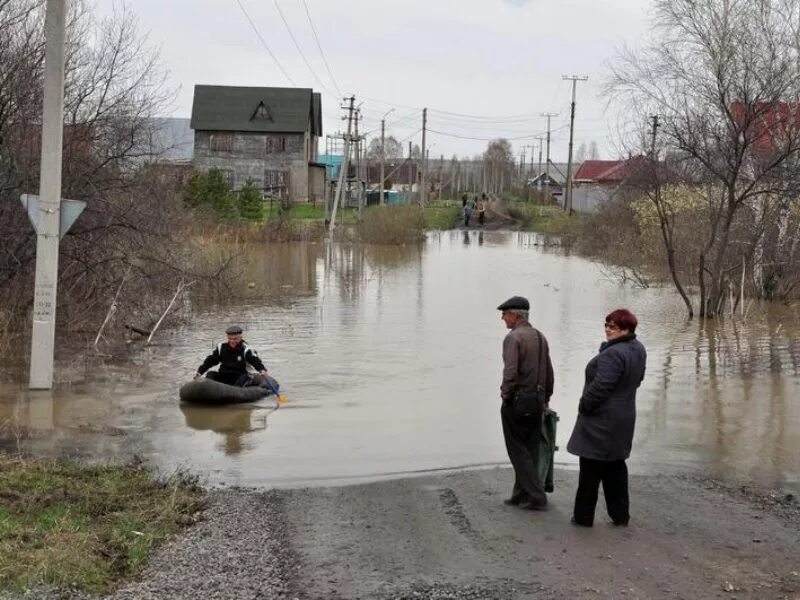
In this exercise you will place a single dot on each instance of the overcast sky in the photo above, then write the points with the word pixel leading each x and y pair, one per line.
pixel 491 59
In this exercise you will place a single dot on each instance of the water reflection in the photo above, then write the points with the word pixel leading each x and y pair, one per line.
pixel 395 351
pixel 233 423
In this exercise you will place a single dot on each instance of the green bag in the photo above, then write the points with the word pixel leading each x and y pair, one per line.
pixel 547 449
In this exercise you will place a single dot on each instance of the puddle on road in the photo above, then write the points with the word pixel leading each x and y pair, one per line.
pixel 390 359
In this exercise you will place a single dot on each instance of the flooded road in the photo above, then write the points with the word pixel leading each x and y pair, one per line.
pixel 390 360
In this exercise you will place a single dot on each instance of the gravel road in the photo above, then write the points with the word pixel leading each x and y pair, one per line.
pixel 450 536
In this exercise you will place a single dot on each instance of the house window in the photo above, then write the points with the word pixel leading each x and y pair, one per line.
pixel 221 142
pixel 274 182
pixel 228 176
pixel 276 144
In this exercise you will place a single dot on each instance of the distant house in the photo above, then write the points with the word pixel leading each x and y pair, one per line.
pixel 263 135
pixel 597 181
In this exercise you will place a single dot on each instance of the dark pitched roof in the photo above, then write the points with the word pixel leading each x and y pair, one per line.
pixel 263 109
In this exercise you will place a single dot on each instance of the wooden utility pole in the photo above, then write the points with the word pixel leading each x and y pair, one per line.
pixel 568 196
pixel 343 166
pixel 655 125
pixel 548 116
pixel 422 192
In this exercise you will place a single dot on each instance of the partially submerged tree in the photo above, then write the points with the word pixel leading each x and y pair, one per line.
pixel 724 78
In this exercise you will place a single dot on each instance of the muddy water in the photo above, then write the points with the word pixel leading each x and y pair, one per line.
pixel 390 359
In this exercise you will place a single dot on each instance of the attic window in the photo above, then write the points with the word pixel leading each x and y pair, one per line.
pixel 261 113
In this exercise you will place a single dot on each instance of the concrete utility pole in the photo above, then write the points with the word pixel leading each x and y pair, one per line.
pixel 48 222
pixel 568 196
pixel 541 143
pixel 422 192
pixel 654 133
pixel 383 153
pixel 344 165
pixel 548 116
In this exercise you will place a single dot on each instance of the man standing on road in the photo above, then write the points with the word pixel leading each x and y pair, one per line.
pixel 232 357
pixel 526 390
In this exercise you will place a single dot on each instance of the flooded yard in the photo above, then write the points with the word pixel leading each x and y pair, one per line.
pixel 390 360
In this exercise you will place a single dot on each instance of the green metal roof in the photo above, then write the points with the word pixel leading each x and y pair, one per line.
pixel 258 109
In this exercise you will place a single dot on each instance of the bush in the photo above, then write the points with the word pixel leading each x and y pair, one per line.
pixel 392 225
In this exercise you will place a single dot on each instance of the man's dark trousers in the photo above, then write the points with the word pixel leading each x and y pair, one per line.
pixel 614 476
pixel 522 436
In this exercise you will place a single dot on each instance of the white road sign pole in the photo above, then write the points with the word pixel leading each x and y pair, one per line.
pixel 49 214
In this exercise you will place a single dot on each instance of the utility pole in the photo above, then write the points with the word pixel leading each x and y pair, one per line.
pixel 383 153
pixel 548 116
pixel 541 142
pixel 48 219
pixel 410 170
pixel 344 166
pixel 654 133
pixel 568 196
pixel 422 193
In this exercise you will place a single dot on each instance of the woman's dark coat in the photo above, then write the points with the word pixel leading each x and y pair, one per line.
pixel 607 409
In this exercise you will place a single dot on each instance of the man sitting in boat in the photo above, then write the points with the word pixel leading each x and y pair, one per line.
pixel 232 357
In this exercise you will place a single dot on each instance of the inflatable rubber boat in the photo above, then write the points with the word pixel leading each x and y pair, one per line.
pixel 214 393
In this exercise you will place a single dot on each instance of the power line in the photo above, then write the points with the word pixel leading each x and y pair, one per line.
pixel 300 50
pixel 264 43
pixel 324 60
pixel 489 139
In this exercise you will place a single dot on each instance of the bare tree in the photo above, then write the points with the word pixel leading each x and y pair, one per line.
pixel 724 76
pixel 393 148
pixel 498 162
pixel 114 87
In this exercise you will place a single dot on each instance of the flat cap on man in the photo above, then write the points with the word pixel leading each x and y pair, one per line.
pixel 233 330
pixel 515 303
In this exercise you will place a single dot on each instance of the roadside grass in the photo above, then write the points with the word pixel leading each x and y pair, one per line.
pixel 65 524
pixel 545 219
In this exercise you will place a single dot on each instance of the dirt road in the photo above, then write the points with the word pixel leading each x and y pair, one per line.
pixel 451 537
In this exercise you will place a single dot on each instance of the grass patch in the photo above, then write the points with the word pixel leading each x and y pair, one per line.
pixel 64 524
pixel 441 217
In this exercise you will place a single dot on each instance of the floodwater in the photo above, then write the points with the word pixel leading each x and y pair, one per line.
pixel 390 360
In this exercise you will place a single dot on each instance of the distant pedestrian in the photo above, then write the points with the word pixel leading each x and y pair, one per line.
pixel 481 212
pixel 603 433
pixel 467 213
pixel 464 199
pixel 526 390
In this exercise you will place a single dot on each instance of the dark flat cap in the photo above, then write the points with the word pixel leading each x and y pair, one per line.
pixel 234 330
pixel 515 303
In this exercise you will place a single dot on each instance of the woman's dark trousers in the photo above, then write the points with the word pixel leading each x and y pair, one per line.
pixel 613 474
pixel 522 436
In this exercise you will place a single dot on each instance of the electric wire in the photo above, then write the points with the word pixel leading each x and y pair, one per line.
pixel 264 43
pixel 319 46
pixel 299 49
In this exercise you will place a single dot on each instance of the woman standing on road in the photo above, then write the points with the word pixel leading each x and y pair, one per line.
pixel 603 433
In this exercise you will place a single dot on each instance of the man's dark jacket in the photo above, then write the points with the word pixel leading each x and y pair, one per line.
pixel 232 360
pixel 607 409
pixel 523 367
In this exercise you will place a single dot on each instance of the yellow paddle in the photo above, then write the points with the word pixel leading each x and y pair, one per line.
pixel 281 398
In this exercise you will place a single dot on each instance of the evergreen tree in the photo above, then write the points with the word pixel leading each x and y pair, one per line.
pixel 251 205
